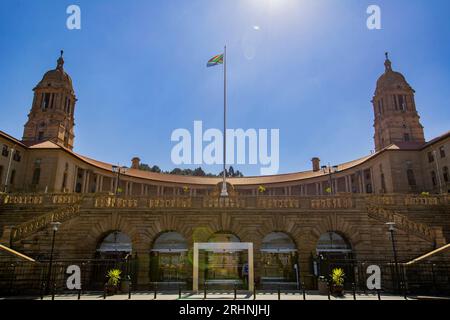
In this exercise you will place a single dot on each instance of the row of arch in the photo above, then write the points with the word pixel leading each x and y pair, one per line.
pixel 170 255
pixel 118 242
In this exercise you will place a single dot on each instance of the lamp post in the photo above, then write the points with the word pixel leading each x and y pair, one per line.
pixel 330 170
pixel 391 226
pixel 55 227
pixel 118 170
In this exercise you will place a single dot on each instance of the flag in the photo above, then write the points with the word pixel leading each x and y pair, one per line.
pixel 215 61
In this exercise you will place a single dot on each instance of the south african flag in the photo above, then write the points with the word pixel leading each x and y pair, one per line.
pixel 215 61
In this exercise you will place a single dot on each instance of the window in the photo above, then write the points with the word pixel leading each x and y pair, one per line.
pixel 36 177
pixel 442 152
pixel 383 183
pixel 45 101
pixel 64 182
pixel 401 103
pixel 411 178
pixel 5 150
pixel 395 102
pixel 433 178
pixel 40 136
pixel 406 137
pixel 1 174
pixel 445 172
pixel 13 177
pixel 17 156
pixel 430 157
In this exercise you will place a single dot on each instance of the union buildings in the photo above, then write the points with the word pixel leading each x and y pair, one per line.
pixel 289 219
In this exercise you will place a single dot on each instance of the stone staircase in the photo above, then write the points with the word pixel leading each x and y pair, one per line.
pixel 431 234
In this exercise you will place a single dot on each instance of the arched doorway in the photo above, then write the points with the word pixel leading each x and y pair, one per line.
pixel 279 261
pixel 334 251
pixel 168 259
pixel 114 251
pixel 224 268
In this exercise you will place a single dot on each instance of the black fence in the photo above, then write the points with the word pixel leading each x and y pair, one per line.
pixel 25 278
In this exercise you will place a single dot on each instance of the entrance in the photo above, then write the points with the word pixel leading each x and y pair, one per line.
pixel 223 265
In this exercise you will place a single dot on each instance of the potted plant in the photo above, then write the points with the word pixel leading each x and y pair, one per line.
pixel 112 285
pixel 337 281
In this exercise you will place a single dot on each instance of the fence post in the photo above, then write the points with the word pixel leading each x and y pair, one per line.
pixel 279 293
pixel 155 291
pixel 42 290
pixel 129 290
pixel 354 291
pixel 304 292
pixel 235 293
pixel 379 294
pixel 54 290
pixel 329 290
pixel 104 292
pixel 204 290
pixel 79 294
pixel 254 291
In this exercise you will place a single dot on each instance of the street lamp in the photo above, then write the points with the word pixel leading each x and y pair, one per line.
pixel 55 227
pixel 330 170
pixel 119 170
pixel 391 226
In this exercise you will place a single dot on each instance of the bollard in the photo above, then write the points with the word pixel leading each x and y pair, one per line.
pixel 129 291
pixel 42 290
pixel 204 290
pixel 279 293
pixel 79 294
pixel 235 293
pixel 379 294
pixel 304 292
pixel 354 291
pixel 329 291
pixel 53 291
pixel 254 291
pixel 405 290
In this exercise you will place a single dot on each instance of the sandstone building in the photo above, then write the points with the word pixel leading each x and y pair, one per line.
pixel 291 222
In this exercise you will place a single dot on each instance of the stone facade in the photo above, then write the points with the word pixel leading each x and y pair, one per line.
pixel 406 181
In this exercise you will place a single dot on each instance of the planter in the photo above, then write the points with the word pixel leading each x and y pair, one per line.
pixel 125 286
pixel 338 290
pixel 110 290
pixel 323 287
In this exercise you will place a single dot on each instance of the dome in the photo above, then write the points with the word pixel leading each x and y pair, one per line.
pixel 57 78
pixel 391 80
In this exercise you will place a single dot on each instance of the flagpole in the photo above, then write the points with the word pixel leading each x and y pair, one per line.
pixel 224 192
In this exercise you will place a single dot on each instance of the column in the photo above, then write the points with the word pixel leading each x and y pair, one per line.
pixel 251 268
pixel 195 269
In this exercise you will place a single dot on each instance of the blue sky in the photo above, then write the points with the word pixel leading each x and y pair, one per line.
pixel 139 71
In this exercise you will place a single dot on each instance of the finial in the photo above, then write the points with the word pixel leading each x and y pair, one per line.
pixel 387 63
pixel 61 61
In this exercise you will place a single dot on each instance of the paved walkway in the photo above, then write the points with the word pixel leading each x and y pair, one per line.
pixel 217 296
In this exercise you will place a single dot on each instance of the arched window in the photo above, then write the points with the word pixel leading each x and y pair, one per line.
pixel 116 245
pixel 224 237
pixel 168 259
pixel 332 242
pixel 170 242
pixel 278 261
pixel 278 242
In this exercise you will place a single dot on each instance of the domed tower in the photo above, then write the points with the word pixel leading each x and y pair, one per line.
pixel 52 112
pixel 396 117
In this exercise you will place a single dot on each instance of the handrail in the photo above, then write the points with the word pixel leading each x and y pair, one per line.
pixel 16 253
pixel 428 255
